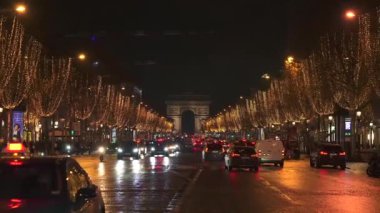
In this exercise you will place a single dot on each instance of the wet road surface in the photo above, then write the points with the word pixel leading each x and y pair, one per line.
pixel 184 183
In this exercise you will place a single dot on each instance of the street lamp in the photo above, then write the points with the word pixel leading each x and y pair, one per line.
pixel 290 59
pixel 265 76
pixel 20 8
pixel 82 56
pixel 371 133
pixel 350 14
pixel 358 115
pixel 330 124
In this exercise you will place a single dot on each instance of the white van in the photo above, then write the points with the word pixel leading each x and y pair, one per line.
pixel 271 151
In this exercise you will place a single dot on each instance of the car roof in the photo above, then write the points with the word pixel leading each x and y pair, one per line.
pixel 38 160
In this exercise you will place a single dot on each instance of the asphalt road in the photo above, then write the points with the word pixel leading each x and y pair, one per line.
pixel 184 183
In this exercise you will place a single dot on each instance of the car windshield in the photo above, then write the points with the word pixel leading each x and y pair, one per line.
pixel 332 148
pixel 244 150
pixel 128 145
pixel 29 181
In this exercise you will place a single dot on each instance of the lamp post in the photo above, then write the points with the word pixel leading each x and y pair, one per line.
pixel 357 129
pixel 1 122
pixel 330 124
pixel 371 134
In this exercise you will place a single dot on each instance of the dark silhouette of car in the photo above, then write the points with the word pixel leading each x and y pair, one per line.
pixel 47 184
pixel 241 157
pixel 328 154
pixel 213 151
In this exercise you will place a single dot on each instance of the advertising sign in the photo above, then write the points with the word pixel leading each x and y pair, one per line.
pixel 17 125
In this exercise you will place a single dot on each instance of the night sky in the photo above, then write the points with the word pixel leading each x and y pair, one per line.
pixel 218 48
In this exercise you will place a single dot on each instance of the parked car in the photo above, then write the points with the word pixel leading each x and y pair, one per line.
pixel 241 157
pixel 270 151
pixel 47 184
pixel 213 151
pixel 328 154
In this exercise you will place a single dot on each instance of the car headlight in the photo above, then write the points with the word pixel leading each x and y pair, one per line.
pixel 135 150
pixel 68 147
pixel 101 149
pixel 119 150
pixel 152 149
pixel 166 149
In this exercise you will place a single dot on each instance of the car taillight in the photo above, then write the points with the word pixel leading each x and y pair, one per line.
pixel 254 155
pixel 323 153
pixel 206 150
pixel 235 155
pixel 283 152
pixel 342 153
pixel 15 163
pixel 259 152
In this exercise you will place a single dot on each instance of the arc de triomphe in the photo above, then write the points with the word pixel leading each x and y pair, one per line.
pixel 176 105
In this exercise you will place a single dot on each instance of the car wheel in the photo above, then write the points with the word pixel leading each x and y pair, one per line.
pixel 343 166
pixel 316 164
pixel 281 164
pixel 229 168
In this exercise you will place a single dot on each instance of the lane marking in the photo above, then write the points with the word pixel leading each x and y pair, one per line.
pixel 274 188
pixel 187 189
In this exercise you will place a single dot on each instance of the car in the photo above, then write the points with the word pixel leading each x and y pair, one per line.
pixel 45 184
pixel 213 151
pixel 158 147
pixel 241 157
pixel 173 147
pixel 197 144
pixel 186 145
pixel 129 149
pixel 328 154
pixel 112 148
pixel 271 151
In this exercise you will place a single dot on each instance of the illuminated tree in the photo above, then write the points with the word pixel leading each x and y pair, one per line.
pixel 11 44
pixel 351 59
pixel 50 85
pixel 22 78
pixel 84 93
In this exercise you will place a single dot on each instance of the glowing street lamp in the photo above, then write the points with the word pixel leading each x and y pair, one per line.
pixel 265 76
pixel 350 14
pixel 20 8
pixel 290 59
pixel 82 56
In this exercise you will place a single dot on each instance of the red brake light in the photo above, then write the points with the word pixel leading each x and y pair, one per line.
pixel 206 150
pixel 253 143
pixel 323 153
pixel 235 155
pixel 15 163
pixel 254 155
pixel 342 153
pixel 14 203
